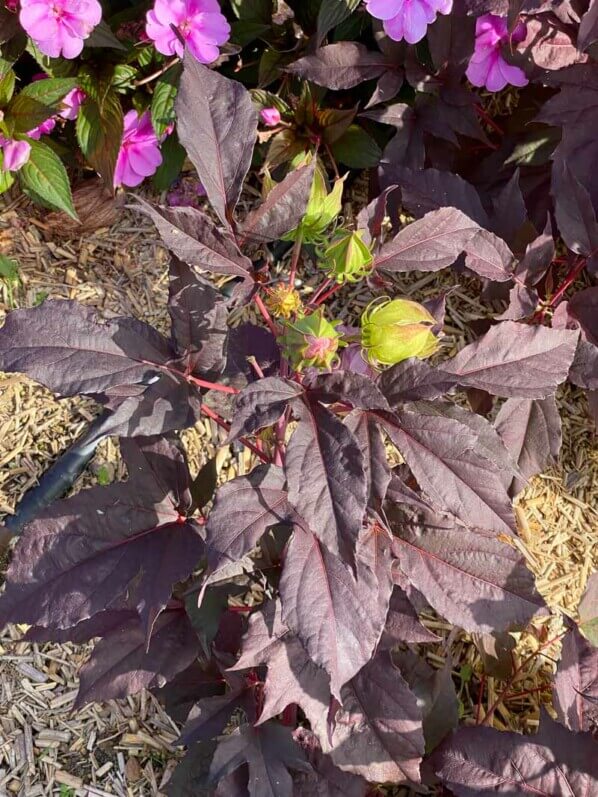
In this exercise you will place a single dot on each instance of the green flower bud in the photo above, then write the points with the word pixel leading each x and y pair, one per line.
pixel 311 341
pixel 322 209
pixel 348 258
pixel 395 330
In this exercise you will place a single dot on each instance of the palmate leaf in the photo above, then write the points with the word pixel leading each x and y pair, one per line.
pixel 531 430
pixel 436 241
pixel 575 693
pixel 244 508
pixel 468 575
pixel 326 780
pixel 216 123
pixel 402 623
pixel 375 463
pixel 378 731
pixel 195 240
pixel 210 715
pixel 337 618
pixel 516 360
pixel 269 752
pixel 340 66
pixel 261 404
pixel 123 662
pixel 323 453
pixel 292 675
pixel 85 553
pixel 479 761
pixel 452 466
pixel 282 210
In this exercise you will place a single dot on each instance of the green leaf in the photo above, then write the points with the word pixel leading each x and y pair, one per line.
pixel 6 178
pixel 356 149
pixel 99 133
pixel 535 149
pixel 146 55
pixel 332 13
pixel 50 91
pixel 55 67
pixel 7 87
pixel 37 102
pixel 244 31
pixel 45 176
pixel 270 67
pixel 123 77
pixel 9 270
pixel 165 92
pixel 173 157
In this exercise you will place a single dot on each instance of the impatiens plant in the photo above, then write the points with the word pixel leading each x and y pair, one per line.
pixel 277 615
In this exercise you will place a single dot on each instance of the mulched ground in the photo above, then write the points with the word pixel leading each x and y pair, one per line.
pixel 127 747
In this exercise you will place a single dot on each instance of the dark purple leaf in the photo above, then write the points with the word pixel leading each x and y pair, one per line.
pixel 99 625
pixel 122 362
pixel 269 750
pixel 436 241
pixel 429 189
pixel 83 554
pixel 261 404
pixel 537 259
pixel 531 431
pixel 452 467
pixel 588 29
pixel 122 663
pixel 451 41
pixel 292 675
pixel 583 309
pixel 194 238
pixel 575 214
pixel 191 684
pixel 371 217
pixel 347 386
pixel 198 317
pixel 479 761
pixel 243 510
pixel 326 780
pixel 467 574
pixel 523 301
pixel 388 86
pixel 337 618
pixel 509 211
pixel 406 148
pixel 496 653
pixel 250 341
pixel 282 210
pixel 576 683
pixel 435 693
pixel 516 360
pixel 375 465
pixel 326 478
pixel 549 44
pixel 413 380
pixel 216 123
pixel 378 730
pixel 340 66
pixel 402 623
pixel 211 715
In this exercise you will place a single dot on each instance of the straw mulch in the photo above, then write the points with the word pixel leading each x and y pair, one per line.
pixel 127 747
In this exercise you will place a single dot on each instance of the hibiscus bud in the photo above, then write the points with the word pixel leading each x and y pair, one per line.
pixel 270 117
pixel 283 301
pixel 348 258
pixel 311 341
pixel 395 330
pixel 322 209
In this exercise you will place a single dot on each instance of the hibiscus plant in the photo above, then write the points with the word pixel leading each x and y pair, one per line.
pixel 278 615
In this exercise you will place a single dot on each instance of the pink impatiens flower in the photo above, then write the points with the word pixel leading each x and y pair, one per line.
pixel 44 129
pixel 199 23
pixel 270 116
pixel 139 154
pixel 59 27
pixel 15 154
pixel 71 103
pixel 487 66
pixel 408 19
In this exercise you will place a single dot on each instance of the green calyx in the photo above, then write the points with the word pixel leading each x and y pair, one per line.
pixel 348 258
pixel 395 330
pixel 311 341
pixel 322 210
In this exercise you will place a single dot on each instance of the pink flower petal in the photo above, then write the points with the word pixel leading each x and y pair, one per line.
pixel 415 23
pixel 205 53
pixel 16 155
pixel 384 9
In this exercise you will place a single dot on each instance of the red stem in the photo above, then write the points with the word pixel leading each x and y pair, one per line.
pixel 295 261
pixel 226 426
pixel 265 314
pixel 328 294
pixel 212 385
pixel 489 120
pixel 569 280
